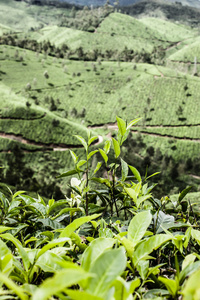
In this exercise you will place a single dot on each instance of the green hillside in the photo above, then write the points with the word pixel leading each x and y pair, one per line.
pixel 188 52
pixel 116 35
pixel 4 29
pixel 23 16
pixel 50 94
pixel 162 9
pixel 100 40
pixel 167 30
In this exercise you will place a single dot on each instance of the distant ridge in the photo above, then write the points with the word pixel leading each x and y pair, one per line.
pixel 164 9
pixel 192 3
pixel 116 3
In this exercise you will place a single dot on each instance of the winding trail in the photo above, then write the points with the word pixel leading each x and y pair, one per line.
pixel 43 146
pixel 110 126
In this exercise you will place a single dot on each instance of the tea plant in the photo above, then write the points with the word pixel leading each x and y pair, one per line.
pixel 121 193
pixel 65 249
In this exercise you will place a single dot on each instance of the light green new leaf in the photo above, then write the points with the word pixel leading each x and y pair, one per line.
pixel 189 270
pixel 12 210
pixel 143 268
pixel 80 163
pixel 74 156
pixel 6 263
pixel 52 244
pixel 6 258
pixel 189 259
pixel 107 146
pixel 196 235
pixel 95 249
pixel 49 262
pixel 22 252
pixel 4 228
pixel 128 245
pixel 116 148
pixel 59 282
pixel 82 141
pixel 135 173
pixel 138 226
pixel 155 270
pixel 17 193
pixel 98 166
pixel 121 125
pixel 102 180
pixel 154 174
pixel 29 288
pixel 142 199
pixel 69 173
pixel 107 267
pixel 170 284
pixel 192 289
pixel 178 241
pixel 146 247
pixel 104 155
pixel 92 139
pixel 132 193
pixel 91 154
pixel 130 124
pixel 124 290
pixel 67 231
pixel 124 167
pixel 13 287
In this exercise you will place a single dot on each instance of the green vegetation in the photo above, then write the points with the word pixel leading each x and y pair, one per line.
pixel 118 242
pixel 94 224
pixel 23 16
pixel 54 79
pixel 175 12
pixel 188 54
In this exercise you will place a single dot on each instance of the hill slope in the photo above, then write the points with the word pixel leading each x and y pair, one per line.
pixel 194 3
pixel 163 9
pixel 49 94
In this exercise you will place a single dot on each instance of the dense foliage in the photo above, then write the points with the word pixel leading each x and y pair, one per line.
pixel 116 242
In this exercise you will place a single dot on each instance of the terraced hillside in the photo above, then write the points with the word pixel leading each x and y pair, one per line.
pixel 21 16
pixel 48 98
pixel 116 32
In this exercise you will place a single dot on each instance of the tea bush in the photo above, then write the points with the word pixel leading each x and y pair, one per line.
pixel 115 241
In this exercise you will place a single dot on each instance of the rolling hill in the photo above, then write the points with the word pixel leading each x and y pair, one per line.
pixel 76 79
pixel 165 10
pixel 194 3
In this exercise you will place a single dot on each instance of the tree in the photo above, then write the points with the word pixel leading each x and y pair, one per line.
pixel 28 87
pixel 46 74
pixel 73 12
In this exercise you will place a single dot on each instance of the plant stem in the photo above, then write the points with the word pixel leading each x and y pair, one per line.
pixel 113 195
pixel 86 195
pixel 87 183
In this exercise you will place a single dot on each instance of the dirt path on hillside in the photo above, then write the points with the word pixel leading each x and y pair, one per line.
pixel 63 147
pixel 167 136
pixel 173 46
pixel 113 126
pixel 44 147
